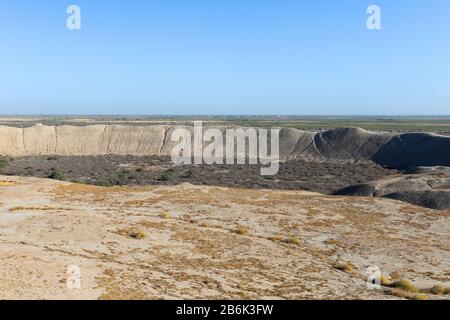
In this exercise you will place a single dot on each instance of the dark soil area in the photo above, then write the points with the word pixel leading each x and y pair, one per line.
pixel 152 170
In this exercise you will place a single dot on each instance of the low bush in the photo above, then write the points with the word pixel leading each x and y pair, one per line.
pixel 168 175
pixel 57 175
pixel 124 176
pixel 3 162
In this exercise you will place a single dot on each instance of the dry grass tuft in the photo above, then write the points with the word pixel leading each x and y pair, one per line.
pixel 384 281
pixel 243 231
pixel 406 285
pixel 165 215
pixel 205 224
pixel 436 289
pixel 292 240
pixel 41 208
pixel 345 266
pixel 408 294
pixel 132 233
pixel 331 241
pixel 7 183
pixel 275 238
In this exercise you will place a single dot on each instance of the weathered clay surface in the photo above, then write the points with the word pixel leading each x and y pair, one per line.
pixel 396 151
pixel 87 140
pixel 210 242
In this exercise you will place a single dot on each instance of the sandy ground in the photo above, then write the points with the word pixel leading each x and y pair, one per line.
pixel 210 242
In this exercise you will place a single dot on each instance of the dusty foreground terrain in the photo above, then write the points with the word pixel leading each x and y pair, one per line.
pixel 210 242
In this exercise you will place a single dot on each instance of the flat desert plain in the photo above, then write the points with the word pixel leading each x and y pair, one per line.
pixel 185 241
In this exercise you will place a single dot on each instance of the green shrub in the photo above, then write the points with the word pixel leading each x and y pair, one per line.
pixel 168 175
pixel 188 174
pixel 104 183
pixel 3 162
pixel 57 175
pixel 126 175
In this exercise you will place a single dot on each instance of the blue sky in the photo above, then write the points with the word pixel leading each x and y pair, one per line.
pixel 225 57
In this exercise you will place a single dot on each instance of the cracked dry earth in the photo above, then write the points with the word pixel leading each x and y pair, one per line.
pixel 210 242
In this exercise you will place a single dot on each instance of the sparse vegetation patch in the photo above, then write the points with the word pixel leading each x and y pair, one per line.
pixel 3 162
pixel 408 294
pixel 242 230
pixel 168 175
pixel 165 215
pixel 292 240
pixel 345 266
pixel 132 233
pixel 406 285
pixel 108 170
pixel 57 175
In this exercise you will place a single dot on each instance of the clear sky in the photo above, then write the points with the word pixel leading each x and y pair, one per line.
pixel 225 57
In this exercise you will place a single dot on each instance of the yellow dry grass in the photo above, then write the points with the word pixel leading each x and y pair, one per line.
pixel 7 183
pixel 132 233
pixel 38 208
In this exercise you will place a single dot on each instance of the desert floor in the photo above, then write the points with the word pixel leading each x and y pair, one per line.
pixel 166 242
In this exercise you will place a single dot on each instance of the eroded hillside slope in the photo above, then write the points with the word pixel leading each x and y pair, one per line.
pixel 396 151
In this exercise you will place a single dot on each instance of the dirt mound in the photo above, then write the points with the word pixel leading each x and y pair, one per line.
pixel 436 199
pixel 394 151
pixel 428 190
pixel 436 169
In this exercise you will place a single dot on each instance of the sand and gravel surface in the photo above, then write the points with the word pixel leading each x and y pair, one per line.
pixel 185 241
